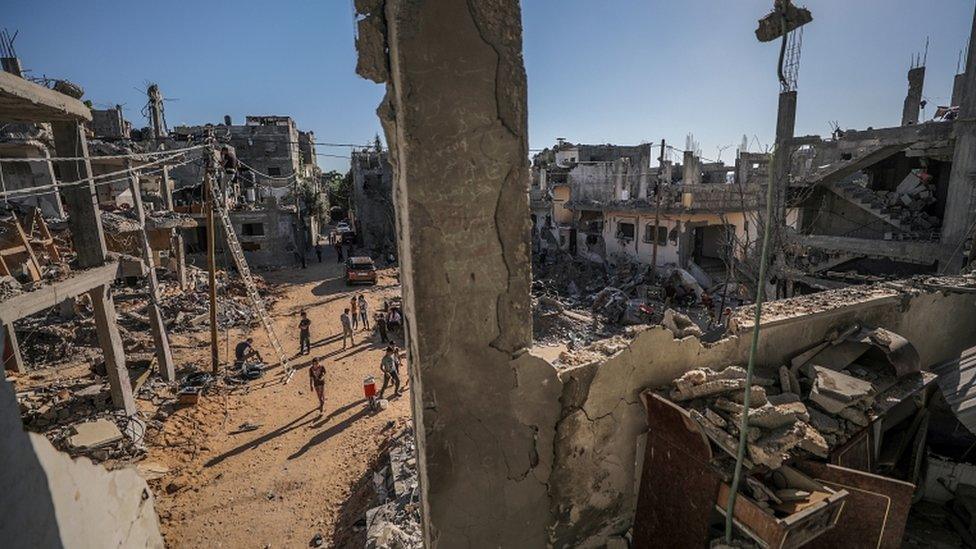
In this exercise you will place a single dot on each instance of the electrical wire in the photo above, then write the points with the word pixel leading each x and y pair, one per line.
pixel 56 187
pixel 134 156
pixel 289 177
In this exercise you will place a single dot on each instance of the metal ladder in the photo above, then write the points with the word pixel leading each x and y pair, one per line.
pixel 252 292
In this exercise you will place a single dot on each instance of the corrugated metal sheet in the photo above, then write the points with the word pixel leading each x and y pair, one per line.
pixel 957 379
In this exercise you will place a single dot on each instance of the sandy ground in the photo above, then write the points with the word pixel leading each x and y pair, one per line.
pixel 300 473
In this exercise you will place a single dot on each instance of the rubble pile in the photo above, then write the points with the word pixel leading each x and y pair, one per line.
pixel 906 204
pixel 395 522
pixel 77 416
pixel 187 310
pixel 578 301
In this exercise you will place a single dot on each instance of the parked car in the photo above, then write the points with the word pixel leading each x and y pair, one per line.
pixel 360 270
pixel 343 227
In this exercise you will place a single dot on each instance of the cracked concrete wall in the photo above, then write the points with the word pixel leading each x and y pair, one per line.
pixel 455 120
pixel 595 476
pixel 50 500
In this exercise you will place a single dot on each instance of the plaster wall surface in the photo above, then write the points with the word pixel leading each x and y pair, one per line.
pixel 455 120
pixel 50 500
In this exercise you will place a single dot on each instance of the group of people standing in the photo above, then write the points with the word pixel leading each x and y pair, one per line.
pixel 354 317
pixel 357 313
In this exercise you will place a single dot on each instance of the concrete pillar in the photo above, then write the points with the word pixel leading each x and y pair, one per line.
pixel 957 84
pixel 785 126
pixel 82 204
pixel 164 357
pixel 455 120
pixel 178 249
pixel 691 171
pixel 913 101
pixel 617 169
pixel 957 221
pixel 111 342
pixel 165 190
pixel 12 359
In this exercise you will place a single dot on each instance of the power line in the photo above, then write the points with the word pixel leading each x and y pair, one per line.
pixel 56 186
pixel 133 156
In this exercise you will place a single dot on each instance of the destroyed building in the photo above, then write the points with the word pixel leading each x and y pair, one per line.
pixel 888 201
pixel 600 201
pixel 372 200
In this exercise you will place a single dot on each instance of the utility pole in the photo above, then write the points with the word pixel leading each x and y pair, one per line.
pixel 209 205
pixel 657 208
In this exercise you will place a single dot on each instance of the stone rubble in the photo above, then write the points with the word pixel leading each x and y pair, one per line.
pixel 395 522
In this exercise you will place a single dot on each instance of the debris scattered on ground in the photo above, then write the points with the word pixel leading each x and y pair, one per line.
pixel 395 522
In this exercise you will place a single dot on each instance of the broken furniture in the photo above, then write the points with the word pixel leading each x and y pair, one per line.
pixel 682 485
pixel 852 408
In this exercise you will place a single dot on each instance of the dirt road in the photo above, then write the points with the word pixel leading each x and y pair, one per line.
pixel 300 473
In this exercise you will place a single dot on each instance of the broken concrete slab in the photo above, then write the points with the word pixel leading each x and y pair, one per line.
pixel 680 325
pixel 94 434
pixel 775 416
pixel 834 391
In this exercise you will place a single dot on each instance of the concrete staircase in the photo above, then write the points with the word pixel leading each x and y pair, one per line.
pixel 865 200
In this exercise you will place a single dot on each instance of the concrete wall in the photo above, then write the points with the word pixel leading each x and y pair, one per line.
pixel 561 214
pixel 670 252
pixel 276 247
pixel 372 199
pixel 50 500
pixel 594 478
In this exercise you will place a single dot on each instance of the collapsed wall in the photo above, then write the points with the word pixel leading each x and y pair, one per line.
pixel 598 440
pixel 51 500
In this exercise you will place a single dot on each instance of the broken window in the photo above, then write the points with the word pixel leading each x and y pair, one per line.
pixel 274 170
pixel 625 230
pixel 651 230
pixel 252 229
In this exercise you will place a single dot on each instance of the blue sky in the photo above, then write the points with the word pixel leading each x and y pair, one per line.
pixel 598 71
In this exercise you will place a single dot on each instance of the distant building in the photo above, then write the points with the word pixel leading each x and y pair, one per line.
pixel 598 201
pixel 373 215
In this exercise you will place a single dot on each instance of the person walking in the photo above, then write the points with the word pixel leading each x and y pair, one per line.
pixel 338 249
pixel 346 328
pixel 316 381
pixel 304 335
pixel 390 367
pixel 318 251
pixel 354 305
pixel 363 311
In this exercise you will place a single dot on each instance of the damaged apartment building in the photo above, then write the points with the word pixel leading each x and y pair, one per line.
pixel 274 189
pixel 601 201
pixel 885 202
pixel 371 209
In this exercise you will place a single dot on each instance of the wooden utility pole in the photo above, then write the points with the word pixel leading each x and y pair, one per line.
pixel 657 209
pixel 209 205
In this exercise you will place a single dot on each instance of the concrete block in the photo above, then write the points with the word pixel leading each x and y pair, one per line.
pixel 95 434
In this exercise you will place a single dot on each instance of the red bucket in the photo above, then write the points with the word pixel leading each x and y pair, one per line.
pixel 369 387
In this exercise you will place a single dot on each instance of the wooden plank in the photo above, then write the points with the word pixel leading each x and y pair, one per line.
pixel 111 342
pixel 875 511
pixel 50 295
pixel 677 487
pixel 24 101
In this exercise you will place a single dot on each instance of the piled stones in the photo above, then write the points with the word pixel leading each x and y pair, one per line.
pixel 782 423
